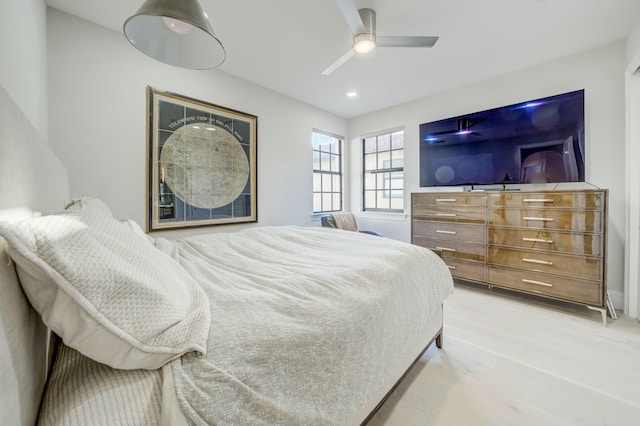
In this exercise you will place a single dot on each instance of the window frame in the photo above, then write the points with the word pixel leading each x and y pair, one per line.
pixel 333 173
pixel 387 171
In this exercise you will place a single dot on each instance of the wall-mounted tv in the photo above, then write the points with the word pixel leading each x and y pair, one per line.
pixel 538 141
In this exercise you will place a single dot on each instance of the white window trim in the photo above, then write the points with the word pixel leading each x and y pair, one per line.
pixel 376 214
pixel 315 216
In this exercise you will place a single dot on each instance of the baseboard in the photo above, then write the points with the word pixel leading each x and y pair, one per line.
pixel 617 297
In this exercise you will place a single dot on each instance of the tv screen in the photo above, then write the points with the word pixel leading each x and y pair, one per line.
pixel 538 141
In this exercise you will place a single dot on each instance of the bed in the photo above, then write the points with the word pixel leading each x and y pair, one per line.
pixel 284 325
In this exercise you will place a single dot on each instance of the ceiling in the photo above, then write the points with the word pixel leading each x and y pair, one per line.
pixel 284 45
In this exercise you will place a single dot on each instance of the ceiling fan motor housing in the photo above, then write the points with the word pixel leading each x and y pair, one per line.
pixel 368 17
pixel 365 40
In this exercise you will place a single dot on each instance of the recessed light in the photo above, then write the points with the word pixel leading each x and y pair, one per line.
pixel 352 94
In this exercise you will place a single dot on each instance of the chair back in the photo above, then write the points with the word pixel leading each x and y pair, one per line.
pixel 328 221
pixel 341 220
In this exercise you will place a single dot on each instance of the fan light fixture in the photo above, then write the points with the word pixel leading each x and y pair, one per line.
pixel 364 43
pixel 176 32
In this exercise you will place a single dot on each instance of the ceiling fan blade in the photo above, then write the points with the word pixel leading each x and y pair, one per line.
pixel 405 41
pixel 351 15
pixel 338 62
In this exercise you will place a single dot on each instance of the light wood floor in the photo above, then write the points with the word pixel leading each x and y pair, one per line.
pixel 509 359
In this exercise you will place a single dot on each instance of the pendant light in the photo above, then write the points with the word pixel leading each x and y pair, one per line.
pixel 176 32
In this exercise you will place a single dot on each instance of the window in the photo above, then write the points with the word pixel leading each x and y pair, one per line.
pixel 384 171
pixel 327 172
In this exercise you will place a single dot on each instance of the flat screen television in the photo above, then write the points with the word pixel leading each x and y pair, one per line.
pixel 538 141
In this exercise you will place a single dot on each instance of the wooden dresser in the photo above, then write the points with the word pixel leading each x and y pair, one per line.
pixel 548 243
pixel 455 224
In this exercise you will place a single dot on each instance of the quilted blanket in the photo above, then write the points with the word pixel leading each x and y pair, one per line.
pixel 306 321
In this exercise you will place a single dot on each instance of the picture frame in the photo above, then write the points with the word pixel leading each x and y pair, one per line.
pixel 202 163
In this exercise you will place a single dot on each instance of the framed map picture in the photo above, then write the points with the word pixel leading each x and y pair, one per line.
pixel 201 168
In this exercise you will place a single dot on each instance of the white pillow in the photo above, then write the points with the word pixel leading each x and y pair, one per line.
pixel 136 229
pixel 88 204
pixel 107 292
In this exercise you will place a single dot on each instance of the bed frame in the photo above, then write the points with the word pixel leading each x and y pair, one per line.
pixel 34 181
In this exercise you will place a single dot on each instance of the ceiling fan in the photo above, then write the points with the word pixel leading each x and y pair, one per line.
pixel 363 26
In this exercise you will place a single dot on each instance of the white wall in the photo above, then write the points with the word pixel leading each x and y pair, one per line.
pixel 97 106
pixel 633 42
pixel 632 247
pixel 599 71
pixel 23 49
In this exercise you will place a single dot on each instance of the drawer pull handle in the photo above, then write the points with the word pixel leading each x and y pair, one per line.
pixel 537 240
pixel 524 280
pixel 538 200
pixel 446 214
pixel 451 267
pixel 544 219
pixel 446 249
pixel 541 262
pixel 446 200
pixel 439 231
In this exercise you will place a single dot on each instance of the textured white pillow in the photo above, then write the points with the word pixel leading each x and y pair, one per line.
pixel 136 229
pixel 88 204
pixel 107 292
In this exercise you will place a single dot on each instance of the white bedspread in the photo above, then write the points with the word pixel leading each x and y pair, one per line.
pixel 294 341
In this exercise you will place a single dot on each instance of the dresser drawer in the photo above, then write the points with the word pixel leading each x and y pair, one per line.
pixel 474 214
pixel 589 292
pixel 588 268
pixel 574 199
pixel 565 242
pixel 450 231
pixel 453 249
pixel 450 198
pixel 472 271
pixel 568 220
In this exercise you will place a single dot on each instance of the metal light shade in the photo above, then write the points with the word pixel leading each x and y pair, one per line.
pixel 176 32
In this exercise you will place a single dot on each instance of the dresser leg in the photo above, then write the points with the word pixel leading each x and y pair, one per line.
pixel 612 309
pixel 603 312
